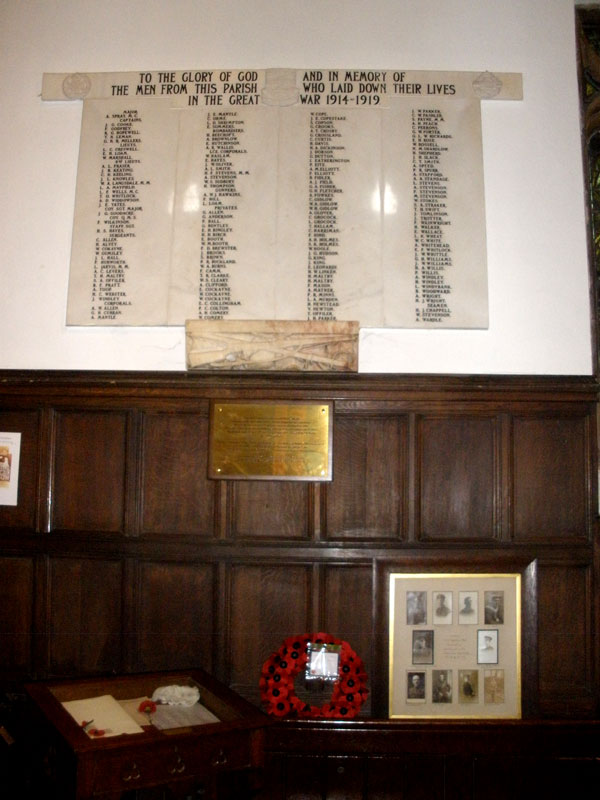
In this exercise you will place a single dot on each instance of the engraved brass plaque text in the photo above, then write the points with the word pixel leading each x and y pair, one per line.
pixel 270 441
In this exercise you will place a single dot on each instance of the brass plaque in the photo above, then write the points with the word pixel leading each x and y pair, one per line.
pixel 270 441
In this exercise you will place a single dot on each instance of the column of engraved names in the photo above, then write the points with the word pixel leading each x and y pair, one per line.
pixel 119 205
pixel 432 253
pixel 224 131
pixel 325 160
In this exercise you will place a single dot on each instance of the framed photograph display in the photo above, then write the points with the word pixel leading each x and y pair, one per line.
pixel 455 645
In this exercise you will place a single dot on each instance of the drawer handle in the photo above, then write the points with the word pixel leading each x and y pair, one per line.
pixel 220 759
pixel 133 774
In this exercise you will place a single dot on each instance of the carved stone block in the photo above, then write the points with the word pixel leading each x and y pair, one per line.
pixel 310 346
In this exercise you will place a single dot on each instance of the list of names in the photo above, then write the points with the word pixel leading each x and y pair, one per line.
pixel 326 157
pixel 118 208
pixel 223 142
pixel 432 251
pixel 266 212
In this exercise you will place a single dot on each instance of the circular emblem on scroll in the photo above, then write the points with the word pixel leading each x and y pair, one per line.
pixel 76 86
pixel 280 88
pixel 487 85
pixel 279 670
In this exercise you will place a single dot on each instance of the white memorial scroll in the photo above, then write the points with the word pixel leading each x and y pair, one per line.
pixel 280 194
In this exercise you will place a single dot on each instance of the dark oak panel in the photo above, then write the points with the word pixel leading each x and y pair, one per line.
pixel 304 778
pixel 550 480
pixel 178 498
pixel 270 509
pixel 267 604
pixel 176 626
pixel 366 498
pixel 84 616
pixel 527 778
pixel 565 647
pixel 355 778
pixel 347 607
pixel 398 778
pixel 457 478
pixel 16 614
pixel 89 482
pixel 344 778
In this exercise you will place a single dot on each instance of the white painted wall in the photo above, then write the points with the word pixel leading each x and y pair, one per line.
pixel 535 202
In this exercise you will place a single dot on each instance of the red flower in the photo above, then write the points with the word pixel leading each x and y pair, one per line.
pixel 287 667
pixel 349 683
pixel 275 693
pixel 147 707
pixel 281 708
pixel 297 643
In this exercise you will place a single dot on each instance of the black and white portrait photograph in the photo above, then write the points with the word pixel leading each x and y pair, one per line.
pixel 493 686
pixel 442 608
pixel 468 685
pixel 494 608
pixel 487 647
pixel 441 686
pixel 415 687
pixel 422 647
pixel 468 608
pixel 416 608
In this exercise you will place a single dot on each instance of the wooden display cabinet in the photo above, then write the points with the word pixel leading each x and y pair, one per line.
pixel 180 758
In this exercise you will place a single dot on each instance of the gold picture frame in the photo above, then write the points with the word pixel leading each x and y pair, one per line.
pixel 455 645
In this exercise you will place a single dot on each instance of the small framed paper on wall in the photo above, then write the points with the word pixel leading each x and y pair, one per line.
pixel 10 449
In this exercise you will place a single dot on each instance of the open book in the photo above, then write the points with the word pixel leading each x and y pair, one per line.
pixel 105 716
pixel 102 713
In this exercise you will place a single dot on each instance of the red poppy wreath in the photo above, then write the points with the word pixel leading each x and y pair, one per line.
pixel 280 669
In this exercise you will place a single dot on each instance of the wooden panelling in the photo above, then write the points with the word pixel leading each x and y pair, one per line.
pixel 26 423
pixel 176 622
pixel 305 778
pixel 356 778
pixel 84 616
pixel 345 778
pixel 267 604
pixel 89 482
pixel 270 509
pixel 564 613
pixel 401 778
pixel 366 498
pixel 527 778
pixel 16 614
pixel 550 478
pixel 177 496
pixel 458 478
pixel 432 761
pixel 347 608
pixel 123 556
